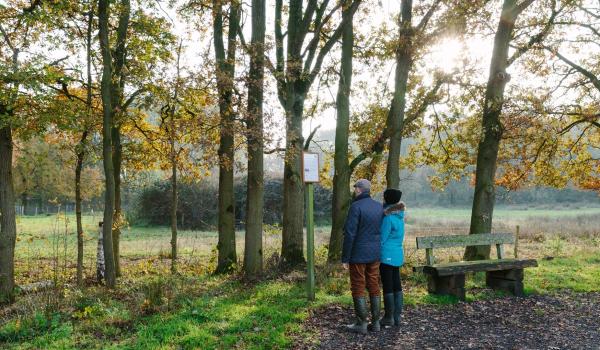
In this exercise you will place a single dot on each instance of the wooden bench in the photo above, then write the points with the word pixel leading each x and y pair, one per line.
pixel 449 278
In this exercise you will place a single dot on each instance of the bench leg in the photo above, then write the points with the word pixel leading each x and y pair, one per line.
pixel 447 285
pixel 507 280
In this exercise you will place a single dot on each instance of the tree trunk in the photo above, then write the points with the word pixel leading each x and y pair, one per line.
pixel 487 152
pixel 292 88
pixel 117 158
pixel 225 70
pixel 78 169
pixel 107 125
pixel 8 226
pixel 396 118
pixel 292 252
pixel 253 254
pixel 118 86
pixel 293 188
pixel 173 215
pixel 342 172
pixel 82 145
pixel 25 203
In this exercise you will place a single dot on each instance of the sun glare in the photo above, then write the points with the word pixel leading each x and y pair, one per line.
pixel 446 54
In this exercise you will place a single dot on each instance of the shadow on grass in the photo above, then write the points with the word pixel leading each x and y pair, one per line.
pixel 235 316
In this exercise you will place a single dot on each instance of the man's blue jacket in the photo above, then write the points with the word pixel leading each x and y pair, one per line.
pixel 362 239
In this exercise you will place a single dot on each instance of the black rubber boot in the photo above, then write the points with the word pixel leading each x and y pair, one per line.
pixel 388 304
pixel 398 304
pixel 375 313
pixel 360 309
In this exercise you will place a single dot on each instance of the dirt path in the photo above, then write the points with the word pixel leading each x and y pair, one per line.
pixel 564 321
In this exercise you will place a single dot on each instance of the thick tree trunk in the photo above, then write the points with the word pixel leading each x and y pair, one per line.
pixel 396 118
pixel 292 252
pixel 118 217
pixel 292 88
pixel 226 245
pixel 342 172
pixel 293 188
pixel 118 86
pixel 78 169
pixel 8 227
pixel 253 254
pixel 225 71
pixel 173 216
pixel 107 125
pixel 487 153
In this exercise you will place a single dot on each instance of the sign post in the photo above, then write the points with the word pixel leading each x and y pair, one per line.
pixel 310 175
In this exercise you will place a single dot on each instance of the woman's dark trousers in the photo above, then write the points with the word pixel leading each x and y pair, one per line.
pixel 393 299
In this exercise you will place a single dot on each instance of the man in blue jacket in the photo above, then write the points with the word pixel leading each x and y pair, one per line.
pixel 361 254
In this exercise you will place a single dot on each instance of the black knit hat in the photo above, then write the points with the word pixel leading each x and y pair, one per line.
pixel 392 196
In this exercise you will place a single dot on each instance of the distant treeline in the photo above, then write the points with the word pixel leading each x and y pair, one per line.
pixel 197 206
pixel 198 201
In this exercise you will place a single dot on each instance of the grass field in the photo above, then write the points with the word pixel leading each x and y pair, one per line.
pixel 46 236
pixel 151 309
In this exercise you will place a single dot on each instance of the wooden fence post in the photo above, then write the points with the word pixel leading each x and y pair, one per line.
pixel 517 243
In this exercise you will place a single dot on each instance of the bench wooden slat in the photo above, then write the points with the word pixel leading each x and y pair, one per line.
pixel 449 241
pixel 449 269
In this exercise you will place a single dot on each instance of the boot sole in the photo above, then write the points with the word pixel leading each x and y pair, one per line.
pixel 358 331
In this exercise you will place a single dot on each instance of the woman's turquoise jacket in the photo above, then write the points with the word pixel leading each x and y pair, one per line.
pixel 392 235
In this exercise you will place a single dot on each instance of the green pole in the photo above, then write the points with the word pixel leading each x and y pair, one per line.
pixel 310 243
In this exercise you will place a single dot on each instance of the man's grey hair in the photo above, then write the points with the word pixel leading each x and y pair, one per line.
pixel 363 185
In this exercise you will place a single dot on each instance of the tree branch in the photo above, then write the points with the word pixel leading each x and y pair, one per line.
pixel 538 37
pixel 310 137
pixel 132 97
pixel 425 20
pixel 522 6
pixel 307 18
pixel 280 63
pixel 274 150
pixel 331 41
pixel 311 48
pixel 592 78
pixel 584 120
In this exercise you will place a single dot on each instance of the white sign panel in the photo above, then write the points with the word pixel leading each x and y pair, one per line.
pixel 310 163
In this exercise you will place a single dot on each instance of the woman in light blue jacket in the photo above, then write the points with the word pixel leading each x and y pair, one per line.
pixel 392 256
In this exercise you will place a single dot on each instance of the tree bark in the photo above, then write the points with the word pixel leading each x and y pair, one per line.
pixel 118 86
pixel 342 172
pixel 82 148
pixel 487 152
pixel 295 74
pixel 25 203
pixel 293 188
pixel 396 116
pixel 107 125
pixel 253 254
pixel 8 227
pixel 117 159
pixel 173 212
pixel 78 169
pixel 225 71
